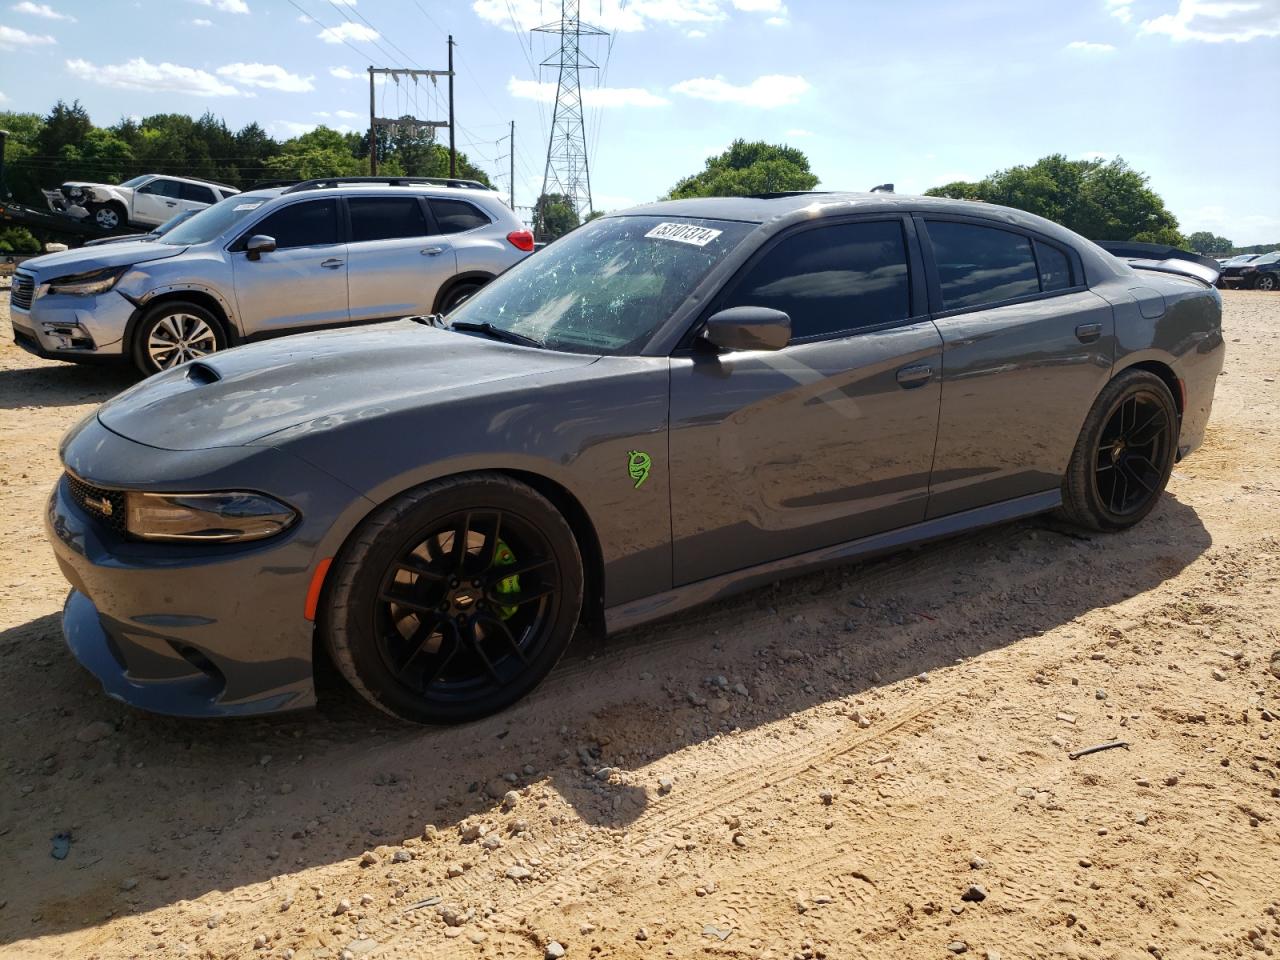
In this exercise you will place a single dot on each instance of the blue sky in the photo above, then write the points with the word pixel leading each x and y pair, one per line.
pixel 917 92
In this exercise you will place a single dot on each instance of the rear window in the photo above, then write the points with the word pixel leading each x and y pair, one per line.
pixel 455 216
pixel 386 218
pixel 981 265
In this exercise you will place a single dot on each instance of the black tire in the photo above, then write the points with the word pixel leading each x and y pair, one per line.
pixel 204 331
pixel 427 646
pixel 1266 281
pixel 1125 453
pixel 459 294
pixel 109 216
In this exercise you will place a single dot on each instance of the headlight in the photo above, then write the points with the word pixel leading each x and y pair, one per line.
pixel 225 517
pixel 89 283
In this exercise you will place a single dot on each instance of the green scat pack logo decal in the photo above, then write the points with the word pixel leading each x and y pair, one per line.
pixel 638 464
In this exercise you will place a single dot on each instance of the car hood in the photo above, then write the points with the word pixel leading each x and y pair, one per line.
pixel 246 394
pixel 122 254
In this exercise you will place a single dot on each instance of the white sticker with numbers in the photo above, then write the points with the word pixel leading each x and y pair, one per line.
pixel 684 233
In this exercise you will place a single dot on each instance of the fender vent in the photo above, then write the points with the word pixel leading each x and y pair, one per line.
pixel 199 372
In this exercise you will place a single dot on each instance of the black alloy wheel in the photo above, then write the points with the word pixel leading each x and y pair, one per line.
pixel 454 600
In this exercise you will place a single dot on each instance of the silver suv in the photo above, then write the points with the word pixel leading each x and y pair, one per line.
pixel 269 262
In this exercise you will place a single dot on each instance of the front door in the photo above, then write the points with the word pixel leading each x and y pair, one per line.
pixel 303 282
pixel 394 266
pixel 1027 347
pixel 828 440
pixel 156 202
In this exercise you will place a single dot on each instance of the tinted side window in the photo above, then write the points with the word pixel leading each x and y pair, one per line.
pixel 1055 268
pixel 386 218
pixel 197 193
pixel 978 265
pixel 308 224
pixel 454 216
pixel 831 279
pixel 163 188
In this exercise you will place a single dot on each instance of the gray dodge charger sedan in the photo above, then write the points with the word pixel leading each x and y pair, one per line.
pixel 670 404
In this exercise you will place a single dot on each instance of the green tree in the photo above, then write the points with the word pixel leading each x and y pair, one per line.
pixel 748 168
pixel 1202 241
pixel 1100 200
pixel 553 216
pixel 321 152
pixel 18 240
pixel 22 169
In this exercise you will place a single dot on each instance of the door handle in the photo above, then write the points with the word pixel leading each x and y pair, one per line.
pixel 333 263
pixel 433 251
pixel 915 376
pixel 171 203
pixel 1088 332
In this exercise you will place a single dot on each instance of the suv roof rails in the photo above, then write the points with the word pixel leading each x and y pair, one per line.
pixel 268 184
pixel 328 182
pixel 775 194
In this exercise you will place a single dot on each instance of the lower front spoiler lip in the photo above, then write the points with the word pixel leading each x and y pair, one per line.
pixel 190 696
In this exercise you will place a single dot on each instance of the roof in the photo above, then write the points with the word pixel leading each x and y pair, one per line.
pixel 355 189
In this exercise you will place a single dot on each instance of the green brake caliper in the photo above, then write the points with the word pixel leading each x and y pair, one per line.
pixel 506 558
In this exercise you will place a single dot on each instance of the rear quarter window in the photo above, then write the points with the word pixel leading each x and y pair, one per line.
pixel 455 216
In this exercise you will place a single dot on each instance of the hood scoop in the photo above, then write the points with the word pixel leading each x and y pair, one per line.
pixel 201 373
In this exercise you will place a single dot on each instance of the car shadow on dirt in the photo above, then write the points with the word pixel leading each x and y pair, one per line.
pixel 64 384
pixel 161 810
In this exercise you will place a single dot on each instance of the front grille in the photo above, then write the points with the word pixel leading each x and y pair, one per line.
pixel 24 290
pixel 107 506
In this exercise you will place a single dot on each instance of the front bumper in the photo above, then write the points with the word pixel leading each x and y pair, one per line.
pixel 192 630
pixel 69 328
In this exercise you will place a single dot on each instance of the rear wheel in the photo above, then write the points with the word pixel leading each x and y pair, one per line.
pixel 1124 455
pixel 453 601
pixel 458 295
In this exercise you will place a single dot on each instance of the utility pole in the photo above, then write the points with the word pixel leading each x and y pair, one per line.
pixel 394 124
pixel 453 153
pixel 511 174
pixel 373 130
pixel 567 171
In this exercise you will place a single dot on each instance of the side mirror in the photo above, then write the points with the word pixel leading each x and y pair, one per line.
pixel 748 328
pixel 258 245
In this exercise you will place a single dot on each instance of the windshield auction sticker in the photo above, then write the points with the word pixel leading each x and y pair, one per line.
pixel 684 233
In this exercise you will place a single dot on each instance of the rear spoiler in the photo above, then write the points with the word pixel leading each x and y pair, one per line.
pixel 1163 258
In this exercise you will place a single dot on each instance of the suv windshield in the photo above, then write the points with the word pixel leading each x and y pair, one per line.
pixel 137 181
pixel 606 286
pixel 213 221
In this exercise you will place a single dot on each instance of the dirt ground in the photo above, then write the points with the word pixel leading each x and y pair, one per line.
pixel 868 762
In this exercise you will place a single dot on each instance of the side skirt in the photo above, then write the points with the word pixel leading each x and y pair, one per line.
pixel 627 615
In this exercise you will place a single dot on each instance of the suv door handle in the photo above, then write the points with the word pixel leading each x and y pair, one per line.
pixel 171 203
pixel 433 251
pixel 333 263
pixel 915 376
pixel 1088 332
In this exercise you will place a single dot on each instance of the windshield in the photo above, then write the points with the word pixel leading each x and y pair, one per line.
pixel 136 181
pixel 213 221
pixel 606 286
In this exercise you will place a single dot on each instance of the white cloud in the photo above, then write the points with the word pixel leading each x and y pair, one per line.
pixel 1090 47
pixel 696 34
pixel 799 132
pixel 767 92
pixel 346 114
pixel 269 76
pixel 761 6
pixel 1219 21
pixel 545 92
pixel 138 74
pixel 226 6
pixel 342 73
pixel 201 22
pixel 347 31
pixel 11 38
pixel 777 21
pixel 617 16
pixel 40 10
pixel 1120 9
pixel 3 97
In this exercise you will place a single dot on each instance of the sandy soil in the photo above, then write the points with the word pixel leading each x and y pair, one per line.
pixel 820 769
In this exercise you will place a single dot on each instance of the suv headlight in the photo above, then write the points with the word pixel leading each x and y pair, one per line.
pixel 89 283
pixel 226 517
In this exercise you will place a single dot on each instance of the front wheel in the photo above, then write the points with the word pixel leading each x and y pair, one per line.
pixel 454 600
pixel 174 332
pixel 1124 455
pixel 1265 282
pixel 108 216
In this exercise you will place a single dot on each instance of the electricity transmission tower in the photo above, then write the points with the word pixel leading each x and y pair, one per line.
pixel 567 171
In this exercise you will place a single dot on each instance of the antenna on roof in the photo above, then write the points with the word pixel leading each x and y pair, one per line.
pixel 882 188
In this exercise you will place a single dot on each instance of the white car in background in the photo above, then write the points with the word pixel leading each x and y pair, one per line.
pixel 148 200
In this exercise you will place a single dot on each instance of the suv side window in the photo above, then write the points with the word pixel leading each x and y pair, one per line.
pixel 831 279
pixel 981 265
pixel 196 193
pixel 163 188
pixel 454 216
pixel 386 218
pixel 312 223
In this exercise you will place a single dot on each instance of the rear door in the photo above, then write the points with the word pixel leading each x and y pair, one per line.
pixel 827 440
pixel 303 282
pixel 395 264
pixel 1026 348
pixel 195 196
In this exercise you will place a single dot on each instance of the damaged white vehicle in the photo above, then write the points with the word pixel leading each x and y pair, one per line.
pixel 147 200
